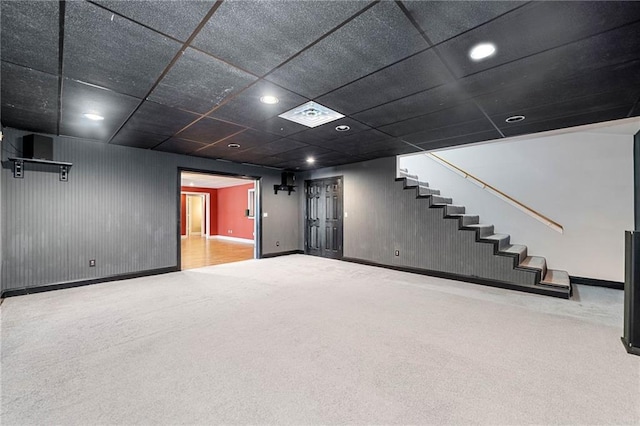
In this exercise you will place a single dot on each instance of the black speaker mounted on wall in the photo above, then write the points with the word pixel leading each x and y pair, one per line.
pixel 37 147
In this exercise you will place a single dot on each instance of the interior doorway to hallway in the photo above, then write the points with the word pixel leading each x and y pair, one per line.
pixel 219 220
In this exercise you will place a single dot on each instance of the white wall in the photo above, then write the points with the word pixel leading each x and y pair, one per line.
pixel 584 181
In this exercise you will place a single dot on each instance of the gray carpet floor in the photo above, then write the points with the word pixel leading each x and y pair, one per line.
pixel 304 340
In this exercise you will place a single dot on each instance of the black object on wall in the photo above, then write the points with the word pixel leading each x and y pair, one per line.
pixel 37 147
pixel 636 172
pixel 631 337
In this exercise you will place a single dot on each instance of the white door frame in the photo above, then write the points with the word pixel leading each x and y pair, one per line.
pixel 205 231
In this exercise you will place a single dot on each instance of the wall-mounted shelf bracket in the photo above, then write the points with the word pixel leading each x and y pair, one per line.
pixel 18 166
pixel 288 188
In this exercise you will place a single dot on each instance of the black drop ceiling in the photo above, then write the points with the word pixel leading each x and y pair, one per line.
pixel 186 77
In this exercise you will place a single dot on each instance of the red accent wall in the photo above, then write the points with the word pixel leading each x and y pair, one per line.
pixel 232 203
pixel 213 200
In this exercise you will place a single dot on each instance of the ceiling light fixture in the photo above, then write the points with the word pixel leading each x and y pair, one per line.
pixel 269 99
pixel 234 145
pixel 342 128
pixel 311 160
pixel 482 51
pixel 92 116
pixel 514 118
pixel 191 184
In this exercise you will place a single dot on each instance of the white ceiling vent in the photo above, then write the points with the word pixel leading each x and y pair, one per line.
pixel 311 114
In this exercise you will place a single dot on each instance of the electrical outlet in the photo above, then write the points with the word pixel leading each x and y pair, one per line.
pixel 92 263
pixel 397 252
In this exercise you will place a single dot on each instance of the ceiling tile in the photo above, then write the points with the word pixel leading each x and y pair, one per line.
pixel 218 150
pixel 29 99
pixel 455 17
pixel 276 147
pixel 179 146
pixel 419 72
pixel 353 51
pixel 553 116
pixel 259 35
pixel 251 138
pixel 326 132
pixel 246 108
pixel 159 119
pixel 426 102
pixel 137 139
pixel 534 28
pixel 79 98
pixel 532 94
pixel 209 130
pixel 29 34
pixel 460 140
pixel 280 126
pixel 448 117
pixel 364 142
pixel 399 150
pixel 175 18
pixel 301 154
pixel 451 132
pixel 112 52
pixel 594 56
pixel 198 82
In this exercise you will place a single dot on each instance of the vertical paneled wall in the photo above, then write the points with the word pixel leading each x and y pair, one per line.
pixel 119 207
pixel 636 168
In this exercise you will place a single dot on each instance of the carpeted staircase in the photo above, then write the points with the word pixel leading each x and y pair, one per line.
pixel 550 281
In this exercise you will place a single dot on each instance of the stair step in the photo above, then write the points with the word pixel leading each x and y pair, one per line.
pixel 437 199
pixel 423 190
pixel 467 219
pixel 483 229
pixel 451 209
pixel 535 262
pixel 502 239
pixel 556 278
pixel 518 249
pixel 404 173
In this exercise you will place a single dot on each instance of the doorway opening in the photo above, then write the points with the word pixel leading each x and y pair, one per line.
pixel 218 222
pixel 323 234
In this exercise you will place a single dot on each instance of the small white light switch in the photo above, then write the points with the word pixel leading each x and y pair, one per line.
pixel 265 214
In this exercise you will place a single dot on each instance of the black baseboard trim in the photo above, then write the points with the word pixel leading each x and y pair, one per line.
pixel 545 291
pixel 632 350
pixel 81 283
pixel 281 253
pixel 597 283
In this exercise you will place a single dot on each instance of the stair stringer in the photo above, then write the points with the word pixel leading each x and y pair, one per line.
pixel 458 250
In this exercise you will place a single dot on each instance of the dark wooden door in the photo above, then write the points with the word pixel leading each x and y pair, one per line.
pixel 324 223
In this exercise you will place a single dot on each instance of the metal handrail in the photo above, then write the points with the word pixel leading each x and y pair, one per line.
pixel 546 220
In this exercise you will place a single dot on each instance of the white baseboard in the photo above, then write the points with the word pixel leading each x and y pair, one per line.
pixel 235 239
pixel 184 237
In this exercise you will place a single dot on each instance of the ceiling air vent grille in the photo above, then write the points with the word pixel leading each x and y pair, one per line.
pixel 311 114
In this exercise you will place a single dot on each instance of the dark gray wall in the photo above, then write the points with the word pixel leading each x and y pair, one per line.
pixel 119 207
pixel 636 172
pixel 382 218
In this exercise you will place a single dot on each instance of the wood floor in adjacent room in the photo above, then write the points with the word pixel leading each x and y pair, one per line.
pixel 199 251
pixel 307 340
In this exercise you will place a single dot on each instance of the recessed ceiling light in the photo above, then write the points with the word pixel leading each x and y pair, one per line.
pixel 269 99
pixel 191 184
pixel 311 114
pixel 311 160
pixel 514 118
pixel 92 116
pixel 342 128
pixel 481 51
pixel 234 145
